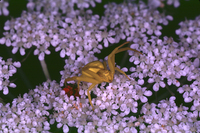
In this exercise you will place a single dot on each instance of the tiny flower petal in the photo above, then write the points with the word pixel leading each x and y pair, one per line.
pixel 5 90
pixel 2 40
pixel 17 64
pixel 22 51
pixel 14 50
pixel 62 53
pixel 12 85
pixel 156 87
pixel 41 56
pixel 143 99
pixel 65 129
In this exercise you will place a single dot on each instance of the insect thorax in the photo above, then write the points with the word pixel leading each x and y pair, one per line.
pixel 105 75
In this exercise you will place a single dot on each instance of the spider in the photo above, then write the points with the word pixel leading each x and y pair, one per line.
pixel 96 72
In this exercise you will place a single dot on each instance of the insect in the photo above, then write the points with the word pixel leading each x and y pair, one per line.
pixel 96 72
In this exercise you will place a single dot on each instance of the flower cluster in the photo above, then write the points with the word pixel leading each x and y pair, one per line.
pixel 166 69
pixel 7 69
pixel 72 35
pixel 168 117
pixel 30 112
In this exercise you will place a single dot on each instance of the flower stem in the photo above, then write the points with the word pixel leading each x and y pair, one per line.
pixel 45 70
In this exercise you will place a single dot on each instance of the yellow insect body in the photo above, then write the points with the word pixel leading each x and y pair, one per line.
pixel 94 66
pixel 96 72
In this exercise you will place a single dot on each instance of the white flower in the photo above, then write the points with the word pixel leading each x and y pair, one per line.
pixel 82 3
pixel 152 28
pixel 3 8
pixel 176 3
pixel 187 93
pixel 62 47
pixel 158 82
pixel 119 34
pixel 142 92
pixel 106 37
pixel 20 46
pixel 155 3
pixel 4 84
pixel 41 51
